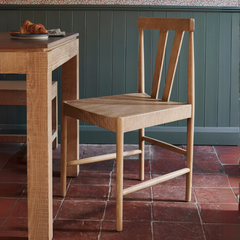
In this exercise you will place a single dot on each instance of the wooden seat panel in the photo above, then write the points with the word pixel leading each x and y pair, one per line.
pixel 136 109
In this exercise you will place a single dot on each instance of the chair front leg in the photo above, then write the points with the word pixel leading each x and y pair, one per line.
pixel 119 176
pixel 141 133
pixel 63 152
pixel 190 133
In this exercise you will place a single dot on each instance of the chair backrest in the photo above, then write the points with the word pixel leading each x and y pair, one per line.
pixel 179 25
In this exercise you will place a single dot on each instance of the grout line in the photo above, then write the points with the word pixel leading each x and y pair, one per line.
pixel 198 210
pixel 226 174
pixel 151 156
pixel 10 213
pixel 105 209
pixel 62 201
pixel 15 152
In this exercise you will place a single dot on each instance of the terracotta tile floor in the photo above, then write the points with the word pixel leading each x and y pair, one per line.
pixel 160 212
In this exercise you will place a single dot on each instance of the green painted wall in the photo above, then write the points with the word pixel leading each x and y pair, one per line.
pixel 108 64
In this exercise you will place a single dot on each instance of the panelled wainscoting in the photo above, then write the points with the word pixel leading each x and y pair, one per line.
pixel 108 64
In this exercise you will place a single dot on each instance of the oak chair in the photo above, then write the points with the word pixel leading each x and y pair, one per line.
pixel 136 111
pixel 14 93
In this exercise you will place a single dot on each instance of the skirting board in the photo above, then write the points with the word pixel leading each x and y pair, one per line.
pixel 175 135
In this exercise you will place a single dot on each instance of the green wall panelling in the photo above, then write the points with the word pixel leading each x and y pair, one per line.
pixel 105 46
pixel 212 69
pixel 119 52
pixel 224 70
pixel 200 69
pixel 131 79
pixel 108 50
pixel 234 84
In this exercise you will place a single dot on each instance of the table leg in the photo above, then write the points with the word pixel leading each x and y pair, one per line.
pixel 39 146
pixel 70 91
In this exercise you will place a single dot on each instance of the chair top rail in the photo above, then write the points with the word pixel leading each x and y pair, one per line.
pixel 180 24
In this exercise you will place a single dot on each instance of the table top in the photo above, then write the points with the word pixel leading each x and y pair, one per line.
pixel 9 44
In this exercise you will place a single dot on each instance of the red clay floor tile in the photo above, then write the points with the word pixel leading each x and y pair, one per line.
pixel 11 189
pixel 222 231
pixel 175 212
pixel 13 175
pixel 167 165
pixel 137 230
pixel 20 209
pixel 205 167
pixel 228 154
pixel 142 195
pixel 233 173
pixel 94 178
pixel 177 231
pixel 104 166
pixel 175 182
pixel 14 228
pixel 130 179
pixel 170 193
pixel 81 210
pixel 220 213
pixel 2 221
pixel 210 180
pixel 215 195
pixel 134 211
pixel 87 192
pixel 133 166
pixel 6 206
pixel 18 159
pixel 76 229
pixel 159 153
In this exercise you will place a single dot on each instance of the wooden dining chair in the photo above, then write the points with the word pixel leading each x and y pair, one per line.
pixel 14 93
pixel 136 111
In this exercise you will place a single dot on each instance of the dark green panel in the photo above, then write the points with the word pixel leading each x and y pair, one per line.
pixel 105 53
pixel 234 95
pixel 200 67
pixel 26 15
pixel 13 20
pixel 4 114
pixel 119 52
pixel 53 19
pixel 41 17
pixel 131 52
pixel 66 21
pixel 79 26
pixel 224 70
pixel 4 23
pixel 92 51
pixel 212 67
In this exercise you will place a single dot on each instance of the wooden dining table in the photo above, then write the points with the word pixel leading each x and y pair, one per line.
pixel 37 58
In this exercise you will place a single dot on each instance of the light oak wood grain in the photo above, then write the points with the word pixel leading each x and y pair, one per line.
pixel 37 59
pixel 136 111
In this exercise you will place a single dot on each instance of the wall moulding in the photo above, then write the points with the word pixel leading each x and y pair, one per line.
pixel 215 3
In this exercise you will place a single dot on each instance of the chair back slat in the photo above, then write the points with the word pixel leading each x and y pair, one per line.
pixel 175 24
pixel 141 72
pixel 162 41
pixel 177 43
pixel 180 26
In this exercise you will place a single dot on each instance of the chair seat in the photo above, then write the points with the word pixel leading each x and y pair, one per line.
pixel 137 109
